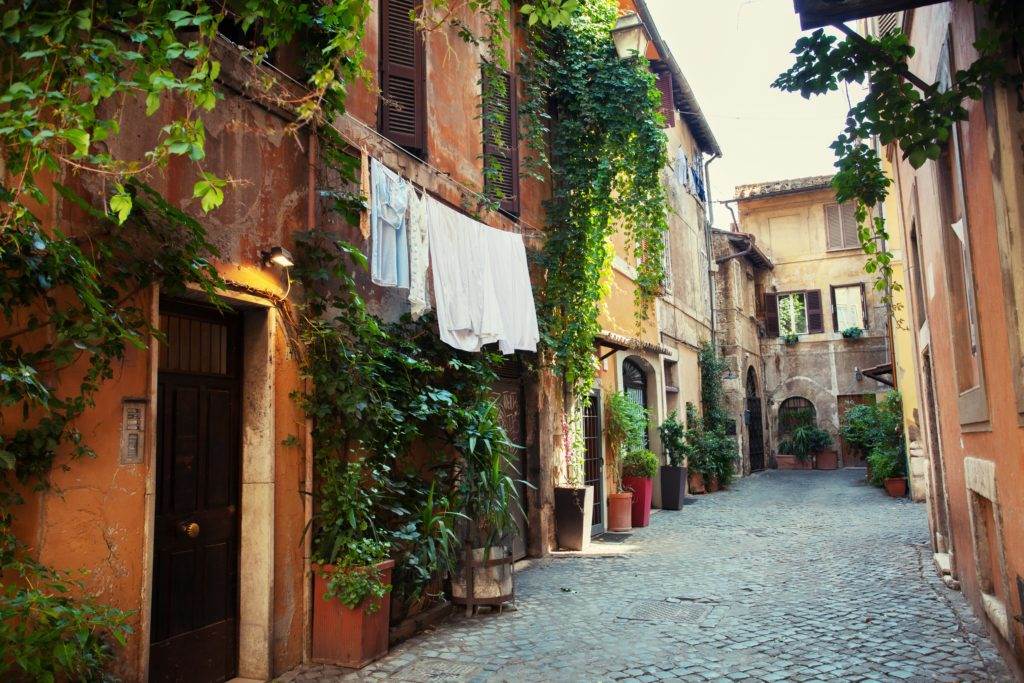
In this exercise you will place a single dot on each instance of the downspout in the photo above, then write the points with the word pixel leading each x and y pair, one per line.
pixel 707 240
pixel 307 500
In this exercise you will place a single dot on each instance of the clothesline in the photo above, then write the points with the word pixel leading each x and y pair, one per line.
pixel 518 222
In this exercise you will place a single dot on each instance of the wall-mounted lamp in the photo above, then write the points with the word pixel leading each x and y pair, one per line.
pixel 629 36
pixel 279 256
pixel 857 374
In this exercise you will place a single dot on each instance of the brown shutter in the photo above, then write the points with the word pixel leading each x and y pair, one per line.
pixel 864 304
pixel 771 315
pixel 815 316
pixel 668 102
pixel 402 113
pixel 851 239
pixel 833 227
pixel 835 313
pixel 503 147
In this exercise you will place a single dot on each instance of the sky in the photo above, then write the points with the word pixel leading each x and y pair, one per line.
pixel 730 51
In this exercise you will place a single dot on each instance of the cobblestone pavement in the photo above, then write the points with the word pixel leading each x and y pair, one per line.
pixel 788 576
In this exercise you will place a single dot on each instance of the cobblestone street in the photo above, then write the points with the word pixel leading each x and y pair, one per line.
pixel 792 576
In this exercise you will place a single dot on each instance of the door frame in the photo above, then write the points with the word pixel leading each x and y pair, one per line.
pixel 599 495
pixel 751 374
pixel 257 458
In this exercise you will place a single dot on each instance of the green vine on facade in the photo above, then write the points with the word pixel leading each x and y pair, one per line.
pixel 608 147
pixel 900 107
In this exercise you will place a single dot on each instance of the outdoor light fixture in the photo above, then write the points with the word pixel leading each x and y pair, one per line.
pixel 858 374
pixel 629 36
pixel 279 256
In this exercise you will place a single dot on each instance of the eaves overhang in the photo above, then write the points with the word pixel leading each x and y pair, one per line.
pixel 818 13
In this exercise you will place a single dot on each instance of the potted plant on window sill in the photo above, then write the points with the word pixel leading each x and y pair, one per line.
pixel 852 333
pixel 638 470
pixel 673 475
pixel 790 338
pixel 574 501
pixel 799 449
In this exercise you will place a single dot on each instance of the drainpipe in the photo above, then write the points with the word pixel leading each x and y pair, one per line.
pixel 707 241
pixel 307 500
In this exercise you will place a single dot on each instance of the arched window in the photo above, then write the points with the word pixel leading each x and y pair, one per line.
pixel 634 383
pixel 794 412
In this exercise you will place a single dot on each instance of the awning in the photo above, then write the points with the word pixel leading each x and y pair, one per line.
pixel 876 373
pixel 620 342
pixel 818 13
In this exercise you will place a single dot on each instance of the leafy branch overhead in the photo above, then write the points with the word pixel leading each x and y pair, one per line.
pixel 899 108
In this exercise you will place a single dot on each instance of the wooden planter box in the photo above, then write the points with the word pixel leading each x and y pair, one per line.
pixel 346 636
pixel 791 462
pixel 826 460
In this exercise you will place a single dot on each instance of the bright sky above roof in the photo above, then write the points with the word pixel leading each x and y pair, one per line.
pixel 730 51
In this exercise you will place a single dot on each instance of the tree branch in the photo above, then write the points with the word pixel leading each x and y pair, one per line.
pixel 899 67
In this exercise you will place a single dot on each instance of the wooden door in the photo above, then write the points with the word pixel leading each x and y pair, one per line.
pixel 755 425
pixel 509 395
pixel 593 458
pixel 852 457
pixel 195 571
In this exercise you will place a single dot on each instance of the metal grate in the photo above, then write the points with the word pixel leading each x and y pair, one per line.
pixel 431 670
pixel 660 610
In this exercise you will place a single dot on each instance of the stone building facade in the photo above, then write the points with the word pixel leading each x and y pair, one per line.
pixel 815 291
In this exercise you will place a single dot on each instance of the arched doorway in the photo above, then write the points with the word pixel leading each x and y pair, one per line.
pixel 795 411
pixel 634 383
pixel 755 425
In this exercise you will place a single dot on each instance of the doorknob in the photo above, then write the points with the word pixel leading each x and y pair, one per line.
pixel 190 529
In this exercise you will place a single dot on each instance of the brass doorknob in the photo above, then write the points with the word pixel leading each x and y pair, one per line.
pixel 191 529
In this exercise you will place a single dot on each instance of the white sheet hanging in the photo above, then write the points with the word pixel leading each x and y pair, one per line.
pixel 481 282
pixel 419 254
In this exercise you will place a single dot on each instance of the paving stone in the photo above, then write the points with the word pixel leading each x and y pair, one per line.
pixel 802 576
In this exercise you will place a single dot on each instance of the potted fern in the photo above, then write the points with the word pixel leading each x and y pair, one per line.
pixel 673 475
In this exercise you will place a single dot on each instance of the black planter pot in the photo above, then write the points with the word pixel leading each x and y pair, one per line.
pixel 574 514
pixel 673 487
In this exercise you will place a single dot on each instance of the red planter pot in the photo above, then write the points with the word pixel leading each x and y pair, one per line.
pixel 896 487
pixel 620 515
pixel 345 636
pixel 641 488
pixel 696 482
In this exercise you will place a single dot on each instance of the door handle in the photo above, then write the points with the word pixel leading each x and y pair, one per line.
pixel 190 529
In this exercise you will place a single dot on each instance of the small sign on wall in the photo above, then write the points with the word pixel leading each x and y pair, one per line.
pixel 133 431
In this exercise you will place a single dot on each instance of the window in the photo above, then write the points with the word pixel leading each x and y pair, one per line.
pixel 402 111
pixel 959 276
pixel 849 307
pixel 663 80
pixel 501 141
pixel 841 226
pixel 634 382
pixel 794 313
pixel 795 411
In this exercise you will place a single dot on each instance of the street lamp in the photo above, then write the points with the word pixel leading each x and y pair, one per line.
pixel 279 256
pixel 629 36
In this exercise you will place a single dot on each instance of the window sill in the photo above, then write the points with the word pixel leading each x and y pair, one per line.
pixel 995 610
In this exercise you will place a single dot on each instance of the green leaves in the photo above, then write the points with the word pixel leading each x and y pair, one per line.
pixel 209 191
pixel 121 203
pixel 79 140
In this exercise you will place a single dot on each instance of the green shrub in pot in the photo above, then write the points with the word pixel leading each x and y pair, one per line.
pixel 673 440
pixel 642 463
pixel 806 440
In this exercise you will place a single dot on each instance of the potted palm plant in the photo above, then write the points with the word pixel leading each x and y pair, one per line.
pixel 673 475
pixel 626 426
pixel 486 502
pixel 804 442
pixel 638 469
pixel 351 569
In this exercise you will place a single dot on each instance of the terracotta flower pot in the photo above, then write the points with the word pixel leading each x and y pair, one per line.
pixel 896 486
pixel 713 485
pixel 620 513
pixel 791 462
pixel 696 482
pixel 346 636
pixel 642 488
pixel 826 460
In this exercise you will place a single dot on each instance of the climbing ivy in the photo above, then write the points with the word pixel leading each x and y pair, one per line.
pixel 899 107
pixel 607 148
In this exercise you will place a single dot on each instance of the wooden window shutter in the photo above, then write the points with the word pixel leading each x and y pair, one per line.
pixel 864 304
pixel 815 316
pixel 502 146
pixel 402 111
pixel 833 227
pixel 668 102
pixel 771 315
pixel 835 312
pixel 848 211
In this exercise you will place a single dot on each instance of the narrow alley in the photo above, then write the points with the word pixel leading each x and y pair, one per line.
pixel 793 576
